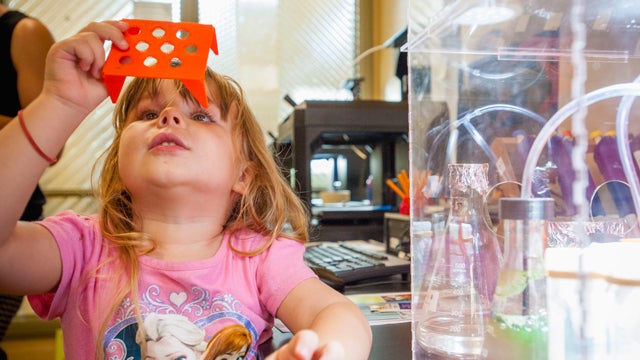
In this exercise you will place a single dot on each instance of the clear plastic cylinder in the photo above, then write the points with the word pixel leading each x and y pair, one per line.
pixel 517 328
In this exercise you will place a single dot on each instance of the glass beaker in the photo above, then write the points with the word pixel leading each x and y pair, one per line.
pixel 460 274
pixel 517 328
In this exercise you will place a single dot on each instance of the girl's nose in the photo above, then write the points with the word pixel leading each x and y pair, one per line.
pixel 170 117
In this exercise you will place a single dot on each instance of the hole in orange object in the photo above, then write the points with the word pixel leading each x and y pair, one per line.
pixel 134 30
pixel 125 60
pixel 158 32
pixel 182 34
pixel 150 61
pixel 167 48
pixel 142 46
pixel 191 49
pixel 175 62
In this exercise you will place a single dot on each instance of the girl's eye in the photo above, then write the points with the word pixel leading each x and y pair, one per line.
pixel 202 116
pixel 148 115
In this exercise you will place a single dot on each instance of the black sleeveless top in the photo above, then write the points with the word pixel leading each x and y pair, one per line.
pixel 9 100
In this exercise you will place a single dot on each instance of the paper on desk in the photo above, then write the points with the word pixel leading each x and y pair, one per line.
pixel 400 306
pixel 384 308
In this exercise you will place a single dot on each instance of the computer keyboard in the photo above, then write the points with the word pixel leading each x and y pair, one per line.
pixel 347 262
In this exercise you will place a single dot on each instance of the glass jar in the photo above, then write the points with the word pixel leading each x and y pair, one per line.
pixel 460 273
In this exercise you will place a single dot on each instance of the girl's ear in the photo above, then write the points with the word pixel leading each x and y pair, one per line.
pixel 241 184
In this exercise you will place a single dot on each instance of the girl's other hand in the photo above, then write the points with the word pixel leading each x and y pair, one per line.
pixel 73 73
pixel 305 346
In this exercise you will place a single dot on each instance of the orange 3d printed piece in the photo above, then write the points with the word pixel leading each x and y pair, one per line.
pixel 162 49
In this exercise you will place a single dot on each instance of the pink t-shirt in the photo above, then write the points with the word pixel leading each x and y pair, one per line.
pixel 190 301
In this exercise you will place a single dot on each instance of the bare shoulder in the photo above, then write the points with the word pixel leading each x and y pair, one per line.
pixel 30 29
pixel 30 43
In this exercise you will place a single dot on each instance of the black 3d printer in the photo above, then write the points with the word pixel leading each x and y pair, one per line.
pixel 337 156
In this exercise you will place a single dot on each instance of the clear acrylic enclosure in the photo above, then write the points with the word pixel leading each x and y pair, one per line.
pixel 543 92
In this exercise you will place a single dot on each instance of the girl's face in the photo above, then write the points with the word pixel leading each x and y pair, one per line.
pixel 170 143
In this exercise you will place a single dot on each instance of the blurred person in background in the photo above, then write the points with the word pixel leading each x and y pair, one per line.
pixel 24 43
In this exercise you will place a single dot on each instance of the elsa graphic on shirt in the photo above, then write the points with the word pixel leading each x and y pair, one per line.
pixel 176 325
pixel 174 337
pixel 171 337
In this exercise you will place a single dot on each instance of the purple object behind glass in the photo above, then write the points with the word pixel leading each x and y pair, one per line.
pixel 560 149
pixel 607 157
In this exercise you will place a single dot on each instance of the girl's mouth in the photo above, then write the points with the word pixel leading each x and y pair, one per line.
pixel 166 139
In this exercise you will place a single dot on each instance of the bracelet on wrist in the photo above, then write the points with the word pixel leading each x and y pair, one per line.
pixel 50 160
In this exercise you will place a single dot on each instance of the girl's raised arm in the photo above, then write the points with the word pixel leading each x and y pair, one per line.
pixel 73 87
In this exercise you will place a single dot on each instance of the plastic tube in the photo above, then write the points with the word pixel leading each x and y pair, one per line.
pixel 628 89
pixel 626 157
pixel 505 107
pixel 479 139
pixel 466 121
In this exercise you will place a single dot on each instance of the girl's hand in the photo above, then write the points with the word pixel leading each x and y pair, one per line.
pixel 304 346
pixel 73 74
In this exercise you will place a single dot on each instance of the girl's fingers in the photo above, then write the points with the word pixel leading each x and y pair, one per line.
pixel 88 45
pixel 88 52
pixel 109 31
pixel 332 351
pixel 304 344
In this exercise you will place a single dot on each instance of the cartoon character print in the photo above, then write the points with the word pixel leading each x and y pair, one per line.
pixel 176 325
pixel 171 337
pixel 231 343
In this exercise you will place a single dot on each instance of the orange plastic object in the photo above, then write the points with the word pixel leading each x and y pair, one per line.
pixel 162 49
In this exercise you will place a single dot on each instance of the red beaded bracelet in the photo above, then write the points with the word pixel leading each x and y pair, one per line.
pixel 33 143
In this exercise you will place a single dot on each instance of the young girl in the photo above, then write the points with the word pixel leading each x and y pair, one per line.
pixel 195 219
